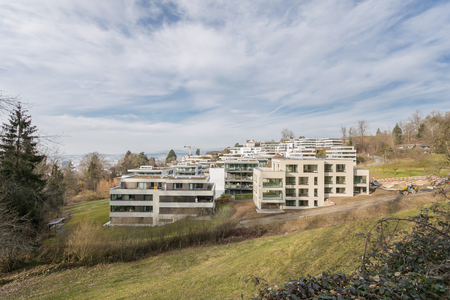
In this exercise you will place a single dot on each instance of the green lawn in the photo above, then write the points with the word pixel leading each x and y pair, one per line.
pixel 205 272
pixel 95 211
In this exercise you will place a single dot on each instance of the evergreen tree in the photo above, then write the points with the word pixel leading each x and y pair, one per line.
pixel 140 160
pixel 197 152
pixel 22 188
pixel 378 131
pixel 397 132
pixel 171 156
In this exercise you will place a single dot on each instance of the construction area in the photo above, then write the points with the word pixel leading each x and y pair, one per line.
pixel 383 200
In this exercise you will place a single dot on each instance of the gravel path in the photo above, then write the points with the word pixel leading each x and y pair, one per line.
pixel 330 209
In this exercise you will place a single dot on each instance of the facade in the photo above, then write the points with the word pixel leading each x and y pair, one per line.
pixel 306 183
pixel 239 176
pixel 342 152
pixel 151 200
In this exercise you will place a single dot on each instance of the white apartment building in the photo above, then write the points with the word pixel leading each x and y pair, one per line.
pixel 301 153
pixel 342 152
pixel 306 183
pixel 144 199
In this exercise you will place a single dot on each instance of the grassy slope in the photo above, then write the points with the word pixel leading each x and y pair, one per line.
pixel 206 272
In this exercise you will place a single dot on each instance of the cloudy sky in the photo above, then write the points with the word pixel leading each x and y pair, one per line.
pixel 153 75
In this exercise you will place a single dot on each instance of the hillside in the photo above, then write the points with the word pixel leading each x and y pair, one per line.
pixel 200 272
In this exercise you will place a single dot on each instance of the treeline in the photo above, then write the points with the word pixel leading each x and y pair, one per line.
pixel 432 129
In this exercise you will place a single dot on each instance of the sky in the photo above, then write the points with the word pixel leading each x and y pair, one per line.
pixel 113 76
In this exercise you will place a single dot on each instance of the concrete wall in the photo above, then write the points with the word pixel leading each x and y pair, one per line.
pixel 217 176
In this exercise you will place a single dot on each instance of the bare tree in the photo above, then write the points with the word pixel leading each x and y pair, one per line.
pixel 287 134
pixel 416 119
pixel 362 128
pixel 344 134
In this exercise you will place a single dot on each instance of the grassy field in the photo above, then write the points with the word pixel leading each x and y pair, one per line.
pixel 408 168
pixel 201 272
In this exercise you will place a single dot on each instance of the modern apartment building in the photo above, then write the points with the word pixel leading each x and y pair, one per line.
pixel 239 176
pixel 306 183
pixel 150 200
pixel 342 152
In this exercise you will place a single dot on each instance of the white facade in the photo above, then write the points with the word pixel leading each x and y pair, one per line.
pixel 217 176
pixel 342 152
pixel 306 183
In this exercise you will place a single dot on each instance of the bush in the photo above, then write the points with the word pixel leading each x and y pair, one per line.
pixel 243 196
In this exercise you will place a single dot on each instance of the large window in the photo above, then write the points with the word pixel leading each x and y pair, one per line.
pixel 328 168
pixel 310 169
pixel 340 190
pixel 303 203
pixel 141 185
pixel 272 182
pixel 328 179
pixel 303 180
pixel 120 208
pixel 292 168
pixel 340 179
pixel 360 179
pixel 272 195
pixel 290 180
pixel 148 197
pixel 316 193
pixel 316 181
pixel 340 168
pixel 303 192
pixel 328 190
pixel 195 186
pixel 177 186
pixel 290 192
pixel 290 202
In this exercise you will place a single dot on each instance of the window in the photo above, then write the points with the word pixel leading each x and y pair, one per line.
pixel 290 180
pixel 340 190
pixel 315 203
pixel 316 181
pixel 316 193
pixel 148 197
pixel 328 190
pixel 303 192
pixel 292 168
pixel 147 208
pixel 116 208
pixel 328 179
pixel 290 192
pixel 141 185
pixel 309 168
pixel 328 168
pixel 340 168
pixel 360 179
pixel 290 202
pixel 303 203
pixel 195 186
pixel 340 179
pixel 116 197
pixel 177 186
pixel 303 180
pixel 272 182
pixel 272 195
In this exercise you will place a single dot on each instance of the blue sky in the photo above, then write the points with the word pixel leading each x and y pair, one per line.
pixel 153 75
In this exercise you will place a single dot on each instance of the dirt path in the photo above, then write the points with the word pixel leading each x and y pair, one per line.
pixel 382 198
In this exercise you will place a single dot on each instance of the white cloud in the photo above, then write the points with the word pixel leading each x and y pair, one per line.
pixel 116 75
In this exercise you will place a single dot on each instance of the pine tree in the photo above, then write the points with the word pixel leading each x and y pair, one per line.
pixel 397 132
pixel 197 152
pixel 22 188
pixel 171 156
pixel 140 160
